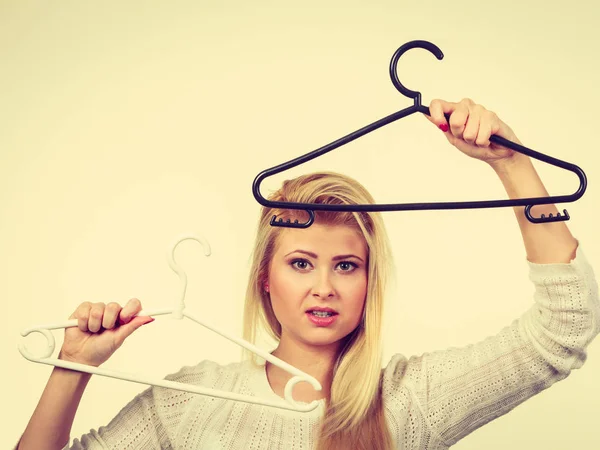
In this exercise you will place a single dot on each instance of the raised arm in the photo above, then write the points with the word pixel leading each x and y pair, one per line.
pixel 469 129
pixel 545 243
pixel 460 389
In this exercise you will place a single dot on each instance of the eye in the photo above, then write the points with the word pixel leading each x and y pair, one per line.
pixel 301 264
pixel 347 266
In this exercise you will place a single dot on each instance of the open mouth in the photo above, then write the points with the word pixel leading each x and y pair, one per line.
pixel 322 313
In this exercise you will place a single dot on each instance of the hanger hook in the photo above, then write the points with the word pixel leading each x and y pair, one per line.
pixel 394 63
pixel 180 305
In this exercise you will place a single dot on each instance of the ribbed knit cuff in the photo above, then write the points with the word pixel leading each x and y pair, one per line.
pixel 538 273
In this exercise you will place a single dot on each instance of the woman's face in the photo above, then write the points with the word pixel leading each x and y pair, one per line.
pixel 318 283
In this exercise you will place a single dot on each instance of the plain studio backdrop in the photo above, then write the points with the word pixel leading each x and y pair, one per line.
pixel 127 124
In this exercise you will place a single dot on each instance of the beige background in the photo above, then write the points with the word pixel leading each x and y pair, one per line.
pixel 125 124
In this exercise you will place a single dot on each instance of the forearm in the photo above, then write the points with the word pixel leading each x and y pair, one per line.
pixel 51 422
pixel 545 243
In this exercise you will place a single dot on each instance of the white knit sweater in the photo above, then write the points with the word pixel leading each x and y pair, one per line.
pixel 431 401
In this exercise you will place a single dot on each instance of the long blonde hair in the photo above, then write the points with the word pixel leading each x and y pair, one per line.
pixel 354 417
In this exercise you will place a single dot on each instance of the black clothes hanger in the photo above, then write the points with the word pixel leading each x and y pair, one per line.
pixel 417 107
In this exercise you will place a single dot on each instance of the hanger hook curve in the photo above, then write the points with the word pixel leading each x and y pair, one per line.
pixel 195 237
pixel 180 304
pixel 434 49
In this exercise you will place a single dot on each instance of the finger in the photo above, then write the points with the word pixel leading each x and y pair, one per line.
pixel 438 110
pixel 485 131
pixel 82 314
pixel 111 314
pixel 95 319
pixel 471 130
pixel 132 307
pixel 459 119
pixel 126 330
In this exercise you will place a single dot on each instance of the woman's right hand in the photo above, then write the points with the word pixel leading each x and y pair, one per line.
pixel 101 329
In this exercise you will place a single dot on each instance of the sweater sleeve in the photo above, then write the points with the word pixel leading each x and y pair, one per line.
pixel 460 389
pixel 136 426
pixel 148 421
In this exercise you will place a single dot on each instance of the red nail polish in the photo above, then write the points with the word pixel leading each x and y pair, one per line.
pixel 444 127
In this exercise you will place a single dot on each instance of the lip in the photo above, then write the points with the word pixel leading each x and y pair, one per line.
pixel 321 321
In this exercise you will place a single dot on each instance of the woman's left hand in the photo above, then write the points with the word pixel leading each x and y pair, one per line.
pixel 470 127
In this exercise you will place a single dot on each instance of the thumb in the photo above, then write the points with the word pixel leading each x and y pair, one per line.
pixel 125 330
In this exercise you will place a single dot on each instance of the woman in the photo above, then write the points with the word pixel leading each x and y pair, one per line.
pixel 319 293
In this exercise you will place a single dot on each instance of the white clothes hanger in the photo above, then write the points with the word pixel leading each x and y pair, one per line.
pixel 177 312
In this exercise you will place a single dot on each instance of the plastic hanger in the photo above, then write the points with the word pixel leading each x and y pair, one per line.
pixel 177 312
pixel 417 107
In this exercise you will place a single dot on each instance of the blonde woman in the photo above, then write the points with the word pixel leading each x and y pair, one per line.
pixel 319 292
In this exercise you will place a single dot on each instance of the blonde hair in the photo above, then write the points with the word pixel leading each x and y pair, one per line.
pixel 354 417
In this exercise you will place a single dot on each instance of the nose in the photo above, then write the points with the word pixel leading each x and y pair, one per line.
pixel 323 287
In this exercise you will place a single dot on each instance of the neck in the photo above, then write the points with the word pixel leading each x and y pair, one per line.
pixel 317 361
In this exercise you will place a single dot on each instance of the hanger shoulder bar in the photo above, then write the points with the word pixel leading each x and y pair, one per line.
pixel 136 378
pixel 326 149
pixel 451 205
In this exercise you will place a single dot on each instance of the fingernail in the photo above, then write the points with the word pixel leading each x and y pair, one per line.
pixel 444 127
pixel 150 321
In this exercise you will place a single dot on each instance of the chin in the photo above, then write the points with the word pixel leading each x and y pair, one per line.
pixel 324 339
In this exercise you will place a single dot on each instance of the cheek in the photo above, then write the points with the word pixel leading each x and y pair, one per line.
pixel 357 284
pixel 356 293
pixel 282 283
pixel 288 283
pixel 286 291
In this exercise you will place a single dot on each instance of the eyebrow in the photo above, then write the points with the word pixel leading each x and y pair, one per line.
pixel 335 258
